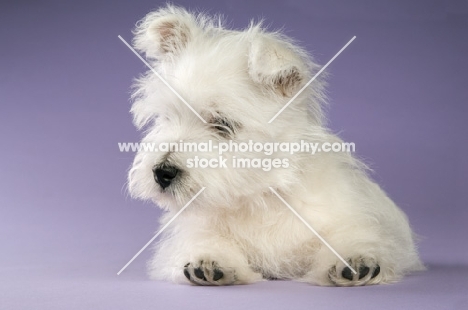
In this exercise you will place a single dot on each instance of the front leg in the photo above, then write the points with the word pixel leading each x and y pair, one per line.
pixel 209 272
pixel 367 272
pixel 201 259
pixel 329 270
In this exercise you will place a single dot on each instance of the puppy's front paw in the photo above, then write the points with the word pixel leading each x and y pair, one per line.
pixel 367 272
pixel 205 272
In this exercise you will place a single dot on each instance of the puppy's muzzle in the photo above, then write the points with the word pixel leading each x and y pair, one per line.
pixel 164 175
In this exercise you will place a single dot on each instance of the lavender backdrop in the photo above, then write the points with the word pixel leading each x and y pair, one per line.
pixel 67 226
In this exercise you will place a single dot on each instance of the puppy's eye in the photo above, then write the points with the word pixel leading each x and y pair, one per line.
pixel 224 127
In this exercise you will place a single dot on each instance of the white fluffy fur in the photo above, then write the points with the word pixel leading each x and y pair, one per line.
pixel 237 223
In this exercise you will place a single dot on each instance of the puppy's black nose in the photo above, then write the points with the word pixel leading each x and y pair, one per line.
pixel 164 175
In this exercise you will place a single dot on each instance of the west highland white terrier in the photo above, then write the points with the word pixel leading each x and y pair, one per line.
pixel 224 86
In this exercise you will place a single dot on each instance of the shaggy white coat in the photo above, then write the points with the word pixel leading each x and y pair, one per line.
pixel 237 225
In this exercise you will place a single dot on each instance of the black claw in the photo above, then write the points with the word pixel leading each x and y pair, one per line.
pixel 199 273
pixel 217 274
pixel 346 273
pixel 186 273
pixel 376 272
pixel 363 271
pixel 186 265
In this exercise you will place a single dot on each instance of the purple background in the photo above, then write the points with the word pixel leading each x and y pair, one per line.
pixel 67 224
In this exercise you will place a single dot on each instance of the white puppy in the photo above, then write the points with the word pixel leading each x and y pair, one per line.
pixel 237 230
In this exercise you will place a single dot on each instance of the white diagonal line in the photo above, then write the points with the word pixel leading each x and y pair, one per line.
pixel 313 230
pixel 160 77
pixel 311 80
pixel 160 231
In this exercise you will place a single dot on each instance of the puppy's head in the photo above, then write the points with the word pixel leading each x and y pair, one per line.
pixel 219 85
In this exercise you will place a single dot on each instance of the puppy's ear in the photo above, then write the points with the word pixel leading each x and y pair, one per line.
pixel 275 65
pixel 165 32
